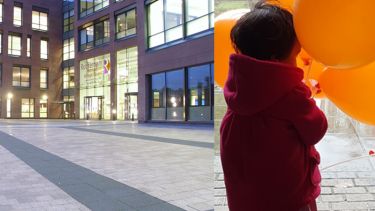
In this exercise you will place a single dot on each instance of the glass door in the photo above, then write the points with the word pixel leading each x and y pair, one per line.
pixel 93 107
pixel 131 106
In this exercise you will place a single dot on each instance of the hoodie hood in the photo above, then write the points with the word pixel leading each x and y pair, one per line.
pixel 254 85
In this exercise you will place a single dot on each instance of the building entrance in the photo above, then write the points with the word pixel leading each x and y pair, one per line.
pixel 94 107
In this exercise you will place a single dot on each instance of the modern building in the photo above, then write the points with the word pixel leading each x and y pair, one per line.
pixel 109 59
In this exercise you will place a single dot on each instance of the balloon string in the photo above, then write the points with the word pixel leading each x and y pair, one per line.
pixel 346 161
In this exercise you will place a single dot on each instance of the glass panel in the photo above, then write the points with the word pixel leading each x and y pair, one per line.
pixel 173 13
pixel 197 10
pixel 199 83
pixel 17 16
pixel 175 95
pixel 158 92
pixel 43 49
pixel 156 23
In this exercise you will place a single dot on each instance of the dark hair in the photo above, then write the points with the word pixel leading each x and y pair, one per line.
pixel 265 33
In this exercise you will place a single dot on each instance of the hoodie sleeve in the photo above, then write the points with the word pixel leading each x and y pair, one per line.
pixel 307 118
pixel 300 110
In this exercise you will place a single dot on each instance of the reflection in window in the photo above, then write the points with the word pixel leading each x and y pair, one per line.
pixel 166 20
pixel 43 79
pixel 39 21
pixel 17 16
pixel 89 6
pixel 27 110
pixel 14 45
pixel 21 76
pixel 43 49
pixel 175 81
pixel 125 24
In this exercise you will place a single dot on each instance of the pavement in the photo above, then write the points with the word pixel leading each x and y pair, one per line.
pixel 348 172
pixel 105 165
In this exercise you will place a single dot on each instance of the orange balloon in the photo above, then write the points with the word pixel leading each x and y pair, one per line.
pixel 352 91
pixel 223 44
pixel 337 33
pixel 286 4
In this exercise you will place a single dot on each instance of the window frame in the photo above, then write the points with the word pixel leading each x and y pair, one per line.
pixel 20 81
pixel 39 28
pixel 94 42
pixel 17 5
pixel 125 13
pixel 46 79
pixel 11 50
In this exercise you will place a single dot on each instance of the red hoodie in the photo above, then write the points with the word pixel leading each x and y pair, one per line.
pixel 268 136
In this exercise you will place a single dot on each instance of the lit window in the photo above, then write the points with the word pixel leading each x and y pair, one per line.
pixel 43 79
pixel 126 24
pixel 14 45
pixel 28 47
pixel 40 21
pixel 43 49
pixel 21 76
pixel 1 12
pixel 68 78
pixel 1 43
pixel 68 49
pixel 17 16
pixel 27 108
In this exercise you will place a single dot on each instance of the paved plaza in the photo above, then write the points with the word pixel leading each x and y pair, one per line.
pixel 105 165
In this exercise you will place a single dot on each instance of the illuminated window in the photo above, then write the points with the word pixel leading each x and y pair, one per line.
pixel 43 49
pixel 17 16
pixel 39 21
pixel 43 108
pixel 28 47
pixel 27 109
pixel 43 79
pixel 21 76
pixel 14 45
pixel 87 7
pixel 125 24
pixel 68 78
pixel 68 50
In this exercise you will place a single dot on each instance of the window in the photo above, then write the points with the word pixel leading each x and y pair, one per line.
pixel 28 48
pixel 199 15
pixel 9 107
pixel 68 78
pixel 170 20
pixel 69 20
pixel 158 93
pixel 43 79
pixel 21 76
pixel 68 49
pixel 86 7
pixel 17 16
pixel 199 92
pixel 169 90
pixel 1 43
pixel 43 107
pixel 39 21
pixel 14 45
pixel 27 110
pixel 43 49
pixel 125 24
pixel 94 35
pixel 1 12
pixel 1 74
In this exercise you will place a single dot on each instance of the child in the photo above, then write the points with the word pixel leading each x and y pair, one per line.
pixel 272 123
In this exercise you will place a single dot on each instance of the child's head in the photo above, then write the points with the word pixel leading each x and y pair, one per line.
pixel 266 33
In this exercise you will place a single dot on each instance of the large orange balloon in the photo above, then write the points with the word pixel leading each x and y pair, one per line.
pixel 338 33
pixel 286 4
pixel 223 45
pixel 352 91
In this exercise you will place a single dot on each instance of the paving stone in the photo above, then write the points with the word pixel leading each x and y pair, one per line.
pixel 360 197
pixel 332 198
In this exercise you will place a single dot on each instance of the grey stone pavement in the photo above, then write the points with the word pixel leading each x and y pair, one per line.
pixel 105 165
pixel 348 172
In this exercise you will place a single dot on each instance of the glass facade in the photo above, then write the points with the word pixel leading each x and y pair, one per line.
pixel 170 20
pixel 87 7
pixel 27 108
pixel 94 35
pixel 21 76
pixel 14 45
pixel 39 21
pixel 127 84
pixel 125 24
pixel 68 78
pixel 175 98
pixel 95 88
